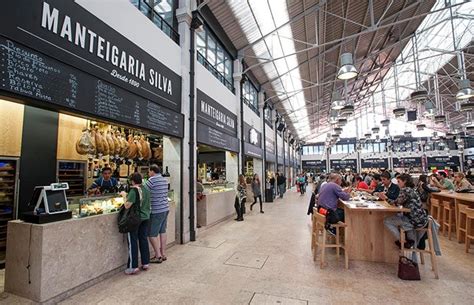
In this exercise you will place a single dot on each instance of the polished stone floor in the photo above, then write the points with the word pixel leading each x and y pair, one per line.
pixel 267 260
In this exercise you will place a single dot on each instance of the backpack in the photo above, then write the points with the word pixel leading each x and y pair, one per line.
pixel 129 219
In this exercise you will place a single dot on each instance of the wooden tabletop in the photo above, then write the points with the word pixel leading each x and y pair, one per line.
pixel 378 206
pixel 459 196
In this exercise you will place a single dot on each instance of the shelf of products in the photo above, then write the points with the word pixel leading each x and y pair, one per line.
pixel 213 188
pixel 8 172
pixel 74 173
pixel 89 206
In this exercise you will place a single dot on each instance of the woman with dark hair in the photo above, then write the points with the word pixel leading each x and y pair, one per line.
pixel 241 198
pixel 257 192
pixel 138 194
pixel 409 221
pixel 424 189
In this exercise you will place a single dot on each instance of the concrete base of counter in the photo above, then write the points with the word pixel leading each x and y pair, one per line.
pixel 215 207
pixel 67 256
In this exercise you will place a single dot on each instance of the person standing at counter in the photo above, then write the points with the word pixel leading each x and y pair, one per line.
pixel 241 198
pixel 409 221
pixel 158 186
pixel 104 184
pixel 257 192
pixel 391 190
pixel 138 194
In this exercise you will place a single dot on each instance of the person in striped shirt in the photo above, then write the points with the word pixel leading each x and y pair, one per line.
pixel 158 187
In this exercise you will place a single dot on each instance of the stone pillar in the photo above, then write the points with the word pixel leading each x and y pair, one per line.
pixel 183 14
pixel 237 83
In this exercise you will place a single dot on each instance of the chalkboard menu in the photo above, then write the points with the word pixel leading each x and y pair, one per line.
pixel 213 137
pixel 375 163
pixel 51 83
pixel 443 161
pixel 407 162
pixel 343 164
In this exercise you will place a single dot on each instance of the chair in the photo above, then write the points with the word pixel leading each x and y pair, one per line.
pixel 319 222
pixel 430 251
pixel 462 221
pixel 449 219
pixel 469 227
pixel 436 210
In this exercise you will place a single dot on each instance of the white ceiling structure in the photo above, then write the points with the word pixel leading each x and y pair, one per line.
pixel 293 48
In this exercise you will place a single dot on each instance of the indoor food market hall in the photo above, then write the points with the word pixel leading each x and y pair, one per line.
pixel 236 152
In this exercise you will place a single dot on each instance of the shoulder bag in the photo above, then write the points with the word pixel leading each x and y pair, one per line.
pixel 408 269
pixel 129 219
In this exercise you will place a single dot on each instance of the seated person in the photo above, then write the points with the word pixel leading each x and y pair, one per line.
pixel 442 182
pixel 391 190
pixel 424 189
pixel 461 183
pixel 376 185
pixel 360 184
pixel 105 184
pixel 409 221
pixel 329 195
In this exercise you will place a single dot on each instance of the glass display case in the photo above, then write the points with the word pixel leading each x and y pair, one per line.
pixel 212 188
pixel 89 206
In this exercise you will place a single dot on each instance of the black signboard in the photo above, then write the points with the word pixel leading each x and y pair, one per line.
pixel 213 137
pixel 52 84
pixel 213 114
pixel 375 163
pixel 253 151
pixel 343 164
pixel 314 164
pixel 469 161
pixel 443 161
pixel 407 162
pixel 67 32
pixel 270 157
pixel 252 142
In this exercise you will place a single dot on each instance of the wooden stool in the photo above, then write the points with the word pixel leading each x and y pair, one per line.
pixel 436 210
pixel 320 220
pixel 462 221
pixel 314 229
pixel 434 263
pixel 449 218
pixel 469 227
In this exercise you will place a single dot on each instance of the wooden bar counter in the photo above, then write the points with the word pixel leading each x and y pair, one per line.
pixel 367 238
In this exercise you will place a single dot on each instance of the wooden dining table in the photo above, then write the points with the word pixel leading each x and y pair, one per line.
pixel 367 239
pixel 456 199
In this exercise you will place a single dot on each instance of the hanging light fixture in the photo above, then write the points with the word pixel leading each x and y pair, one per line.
pixel 346 111
pixel 385 122
pixel 337 130
pixel 429 109
pixel 440 118
pixel 465 90
pixel 347 69
pixel 407 134
pixel 467 106
pixel 337 101
pixel 435 136
pixel 421 126
pixel 341 122
pixel 399 110
pixel 375 129
pixel 420 94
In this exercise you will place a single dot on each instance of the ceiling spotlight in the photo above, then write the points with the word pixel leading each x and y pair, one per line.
pixel 346 111
pixel 419 96
pixel 407 134
pixel 342 122
pixel 465 90
pixel 399 112
pixel 421 126
pixel 375 129
pixel 347 70
pixel 467 106
pixel 337 101
pixel 440 118
pixel 385 122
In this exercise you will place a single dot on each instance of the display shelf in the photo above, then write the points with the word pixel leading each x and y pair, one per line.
pixel 74 173
pixel 8 172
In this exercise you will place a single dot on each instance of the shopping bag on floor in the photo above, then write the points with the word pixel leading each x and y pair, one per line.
pixel 408 269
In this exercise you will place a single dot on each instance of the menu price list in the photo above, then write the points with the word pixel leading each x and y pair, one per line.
pixel 28 73
pixel 210 136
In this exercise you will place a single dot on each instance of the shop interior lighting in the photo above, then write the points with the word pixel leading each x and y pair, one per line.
pixel 347 69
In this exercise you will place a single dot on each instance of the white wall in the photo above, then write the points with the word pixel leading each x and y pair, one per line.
pixel 207 83
pixel 232 167
pixel 126 19
pixel 251 118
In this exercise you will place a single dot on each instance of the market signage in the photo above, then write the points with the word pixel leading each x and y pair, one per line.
pixel 407 162
pixel 343 164
pixel 67 32
pixel 469 161
pixel 253 142
pixel 443 161
pixel 375 163
pixel 317 164
pixel 216 126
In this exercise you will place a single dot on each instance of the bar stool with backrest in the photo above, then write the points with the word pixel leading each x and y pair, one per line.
pixel 319 222
pixel 462 222
pixel 436 210
pixel 430 251
pixel 469 228
pixel 449 217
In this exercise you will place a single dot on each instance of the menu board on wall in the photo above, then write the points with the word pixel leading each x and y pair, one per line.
pixel 407 162
pixel 216 126
pixel 314 164
pixel 52 84
pixel 68 33
pixel 443 161
pixel 375 163
pixel 343 164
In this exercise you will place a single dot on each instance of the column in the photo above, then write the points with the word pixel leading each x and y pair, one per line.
pixel 240 120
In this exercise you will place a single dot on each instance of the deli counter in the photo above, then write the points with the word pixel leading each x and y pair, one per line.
pixel 217 204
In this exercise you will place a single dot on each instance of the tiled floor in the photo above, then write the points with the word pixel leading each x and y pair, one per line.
pixel 266 259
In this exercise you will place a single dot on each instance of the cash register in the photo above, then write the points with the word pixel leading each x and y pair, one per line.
pixel 50 204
